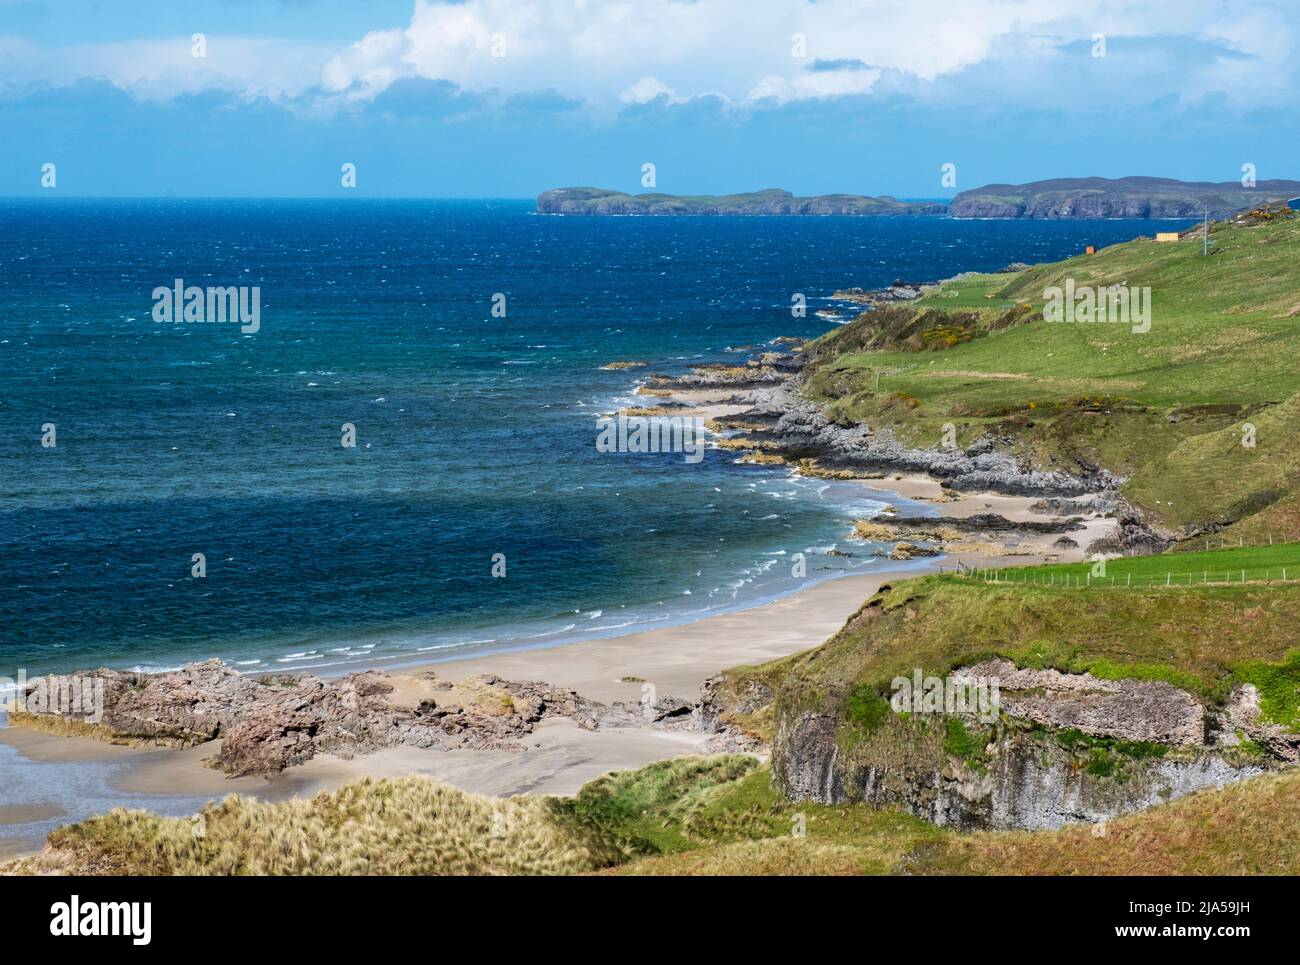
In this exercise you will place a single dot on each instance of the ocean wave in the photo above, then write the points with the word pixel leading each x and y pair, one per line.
pixel 300 657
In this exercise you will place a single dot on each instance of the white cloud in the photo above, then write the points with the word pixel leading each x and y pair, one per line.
pixel 648 89
pixel 617 52
pixel 163 68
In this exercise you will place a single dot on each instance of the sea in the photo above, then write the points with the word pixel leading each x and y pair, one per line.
pixel 176 491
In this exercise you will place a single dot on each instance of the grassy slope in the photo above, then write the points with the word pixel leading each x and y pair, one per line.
pixel 1248 828
pixel 1166 406
pixel 1203 638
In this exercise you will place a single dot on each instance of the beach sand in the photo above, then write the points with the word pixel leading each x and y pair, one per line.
pixel 559 757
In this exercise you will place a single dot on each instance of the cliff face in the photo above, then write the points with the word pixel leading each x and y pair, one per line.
pixel 996 705
pixel 1030 781
pixel 1060 198
pixel 1117 198
pixel 1065 748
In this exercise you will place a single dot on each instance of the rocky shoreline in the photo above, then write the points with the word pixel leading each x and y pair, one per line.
pixel 778 424
pixel 264 725
pixel 261 725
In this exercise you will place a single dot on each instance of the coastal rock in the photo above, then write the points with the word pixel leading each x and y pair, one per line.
pixel 899 291
pixel 1027 779
pixel 909 551
pixel 1131 710
pixel 724 699
pixel 268 723
pixel 800 430
pixel 770 368
pixel 1059 748
pixel 1241 716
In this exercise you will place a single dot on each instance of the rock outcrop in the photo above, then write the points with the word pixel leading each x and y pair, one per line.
pixel 800 429
pixel 266 724
pixel 1064 748
pixel 1128 710
pixel 1030 781
pixel 1134 197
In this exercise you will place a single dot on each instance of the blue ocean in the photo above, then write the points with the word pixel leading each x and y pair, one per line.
pixel 475 431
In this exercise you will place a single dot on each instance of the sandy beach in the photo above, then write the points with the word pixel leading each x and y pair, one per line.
pixel 559 756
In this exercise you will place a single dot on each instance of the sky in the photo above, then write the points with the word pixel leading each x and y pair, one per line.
pixel 505 98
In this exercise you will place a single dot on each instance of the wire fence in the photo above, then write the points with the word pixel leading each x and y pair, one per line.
pixel 1103 580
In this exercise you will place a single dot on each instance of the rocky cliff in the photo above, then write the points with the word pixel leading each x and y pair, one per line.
pixel 1054 745
pixel 1117 198
pixel 1131 197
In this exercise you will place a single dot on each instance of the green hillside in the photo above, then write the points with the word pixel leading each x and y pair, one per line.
pixel 1168 407
pixel 1190 635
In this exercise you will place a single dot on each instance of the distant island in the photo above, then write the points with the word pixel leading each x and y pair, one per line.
pixel 1131 197
pixel 1117 198
pixel 769 202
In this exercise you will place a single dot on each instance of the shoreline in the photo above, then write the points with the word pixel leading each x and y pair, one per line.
pixel 558 755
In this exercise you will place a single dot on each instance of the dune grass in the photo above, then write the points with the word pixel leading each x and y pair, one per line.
pixel 409 826
pixel 710 816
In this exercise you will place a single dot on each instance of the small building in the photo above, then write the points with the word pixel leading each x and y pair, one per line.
pixel 1090 250
pixel 1166 236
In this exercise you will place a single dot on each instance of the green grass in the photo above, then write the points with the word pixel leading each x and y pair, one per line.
pixel 978 292
pixel 1225 566
pixel 1167 407
pixel 1198 638
pixel 1279 689
pixel 686 817
pixel 964 743
pixel 643 811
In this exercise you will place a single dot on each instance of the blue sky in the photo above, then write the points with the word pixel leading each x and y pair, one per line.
pixel 504 98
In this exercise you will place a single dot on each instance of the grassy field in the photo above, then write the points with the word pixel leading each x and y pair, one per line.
pixel 1248 564
pixel 1204 638
pixel 1168 407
